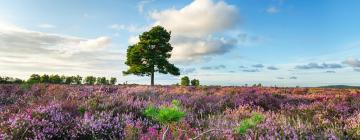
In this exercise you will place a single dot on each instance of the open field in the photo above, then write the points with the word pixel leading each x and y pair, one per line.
pixel 117 112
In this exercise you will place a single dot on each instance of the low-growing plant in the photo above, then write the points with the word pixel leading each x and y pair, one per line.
pixel 26 86
pixel 81 110
pixel 249 123
pixel 165 115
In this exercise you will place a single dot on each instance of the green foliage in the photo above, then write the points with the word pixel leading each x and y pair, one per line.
pixel 90 80
pixel 34 78
pixel 185 81
pixel 249 123
pixel 55 79
pixel 10 80
pixel 25 86
pixel 102 81
pixel 69 80
pixel 81 110
pixel 113 80
pixel 44 79
pixel 151 54
pixel 195 82
pixel 77 79
pixel 165 114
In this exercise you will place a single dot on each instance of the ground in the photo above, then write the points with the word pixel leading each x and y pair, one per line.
pixel 46 111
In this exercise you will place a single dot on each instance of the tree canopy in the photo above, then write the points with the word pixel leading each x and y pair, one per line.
pixel 151 54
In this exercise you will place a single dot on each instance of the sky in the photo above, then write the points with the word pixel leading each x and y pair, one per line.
pixel 220 42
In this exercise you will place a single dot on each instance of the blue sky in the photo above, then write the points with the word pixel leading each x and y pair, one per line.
pixel 230 42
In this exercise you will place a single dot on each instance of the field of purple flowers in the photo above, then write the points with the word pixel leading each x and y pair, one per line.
pixel 46 111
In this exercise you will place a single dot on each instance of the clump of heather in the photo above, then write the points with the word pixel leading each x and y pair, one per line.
pixel 46 111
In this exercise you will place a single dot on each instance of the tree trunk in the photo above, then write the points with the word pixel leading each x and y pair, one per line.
pixel 152 78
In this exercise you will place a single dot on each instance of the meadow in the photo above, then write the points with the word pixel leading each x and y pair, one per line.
pixel 55 111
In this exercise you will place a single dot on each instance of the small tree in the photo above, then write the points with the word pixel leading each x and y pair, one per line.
pixel 195 82
pixel 55 79
pixel 69 79
pixel 151 54
pixel 77 79
pixel 165 115
pixel 113 80
pixel 185 81
pixel 102 81
pixel 44 78
pixel 34 78
pixel 90 80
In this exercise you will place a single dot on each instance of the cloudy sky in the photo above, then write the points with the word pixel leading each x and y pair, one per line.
pixel 220 42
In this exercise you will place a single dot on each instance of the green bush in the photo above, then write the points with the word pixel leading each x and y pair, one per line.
pixel 195 82
pixel 249 123
pixel 165 114
pixel 185 81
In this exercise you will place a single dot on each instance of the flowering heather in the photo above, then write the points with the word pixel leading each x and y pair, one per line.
pixel 46 111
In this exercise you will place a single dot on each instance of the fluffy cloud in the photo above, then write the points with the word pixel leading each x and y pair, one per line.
pixel 272 68
pixel 258 66
pixel 18 38
pixel 192 48
pixel 33 51
pixel 319 66
pixel 200 18
pixel 193 28
pixel 352 62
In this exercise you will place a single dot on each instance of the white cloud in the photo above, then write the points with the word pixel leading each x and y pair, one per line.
pixel 194 26
pixel 352 62
pixel 46 26
pixel 25 51
pixel 189 49
pixel 133 40
pixel 94 44
pixel 272 10
pixel 22 38
pixel 198 19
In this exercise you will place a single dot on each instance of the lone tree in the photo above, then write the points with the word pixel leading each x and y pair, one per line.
pixel 185 81
pixel 151 54
pixel 195 82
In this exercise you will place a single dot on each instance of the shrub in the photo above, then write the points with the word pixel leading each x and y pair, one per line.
pixel 249 123
pixel 165 114
pixel 185 81
pixel 90 80
pixel 113 80
pixel 195 82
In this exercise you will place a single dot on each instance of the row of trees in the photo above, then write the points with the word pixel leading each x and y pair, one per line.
pixel 185 81
pixel 10 80
pixel 56 79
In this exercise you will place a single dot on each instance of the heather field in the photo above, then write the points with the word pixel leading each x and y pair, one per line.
pixel 49 111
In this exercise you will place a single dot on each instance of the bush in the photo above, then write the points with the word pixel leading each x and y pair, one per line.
pixel 249 123
pixel 195 82
pixel 165 114
pixel 185 81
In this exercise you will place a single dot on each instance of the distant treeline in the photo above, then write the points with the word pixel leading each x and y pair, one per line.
pixel 56 79
pixel 10 80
